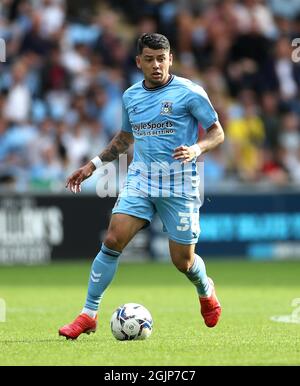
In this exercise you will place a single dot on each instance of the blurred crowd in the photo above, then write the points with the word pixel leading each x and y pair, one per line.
pixel 66 70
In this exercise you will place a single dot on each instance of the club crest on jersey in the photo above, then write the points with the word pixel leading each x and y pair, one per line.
pixel 166 108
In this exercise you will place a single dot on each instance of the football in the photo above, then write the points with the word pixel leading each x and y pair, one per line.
pixel 131 321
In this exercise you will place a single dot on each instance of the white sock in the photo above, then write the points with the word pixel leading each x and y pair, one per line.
pixel 209 292
pixel 90 313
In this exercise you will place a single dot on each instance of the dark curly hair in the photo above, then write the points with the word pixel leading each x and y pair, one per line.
pixel 154 41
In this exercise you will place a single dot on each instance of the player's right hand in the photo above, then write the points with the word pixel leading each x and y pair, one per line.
pixel 74 181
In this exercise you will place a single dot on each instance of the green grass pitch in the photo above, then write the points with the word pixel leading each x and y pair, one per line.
pixel 41 299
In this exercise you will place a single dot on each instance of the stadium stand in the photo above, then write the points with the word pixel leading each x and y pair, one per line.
pixel 61 84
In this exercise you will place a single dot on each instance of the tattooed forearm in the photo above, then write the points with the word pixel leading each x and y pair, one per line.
pixel 118 145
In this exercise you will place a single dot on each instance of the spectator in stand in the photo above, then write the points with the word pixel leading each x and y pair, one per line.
pixel 269 114
pixel 18 102
pixel 48 172
pixel 289 141
pixel 52 16
pixel 282 76
pixel 245 136
pixel 53 75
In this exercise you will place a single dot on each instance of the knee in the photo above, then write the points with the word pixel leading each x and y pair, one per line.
pixel 112 241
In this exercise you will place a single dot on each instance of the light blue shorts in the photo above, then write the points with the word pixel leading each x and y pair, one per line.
pixel 179 215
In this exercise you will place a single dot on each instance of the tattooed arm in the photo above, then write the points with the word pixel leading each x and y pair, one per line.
pixel 118 145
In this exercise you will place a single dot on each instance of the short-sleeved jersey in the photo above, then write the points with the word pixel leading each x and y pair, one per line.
pixel 162 119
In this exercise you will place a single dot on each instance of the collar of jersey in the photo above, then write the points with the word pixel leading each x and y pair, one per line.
pixel 158 87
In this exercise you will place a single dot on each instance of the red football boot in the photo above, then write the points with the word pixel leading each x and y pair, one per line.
pixel 83 324
pixel 210 307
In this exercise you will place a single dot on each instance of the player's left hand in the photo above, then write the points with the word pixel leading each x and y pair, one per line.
pixel 184 153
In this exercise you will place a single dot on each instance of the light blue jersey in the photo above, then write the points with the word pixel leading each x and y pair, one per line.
pixel 162 119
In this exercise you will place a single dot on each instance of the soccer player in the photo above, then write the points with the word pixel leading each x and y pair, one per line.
pixel 160 116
